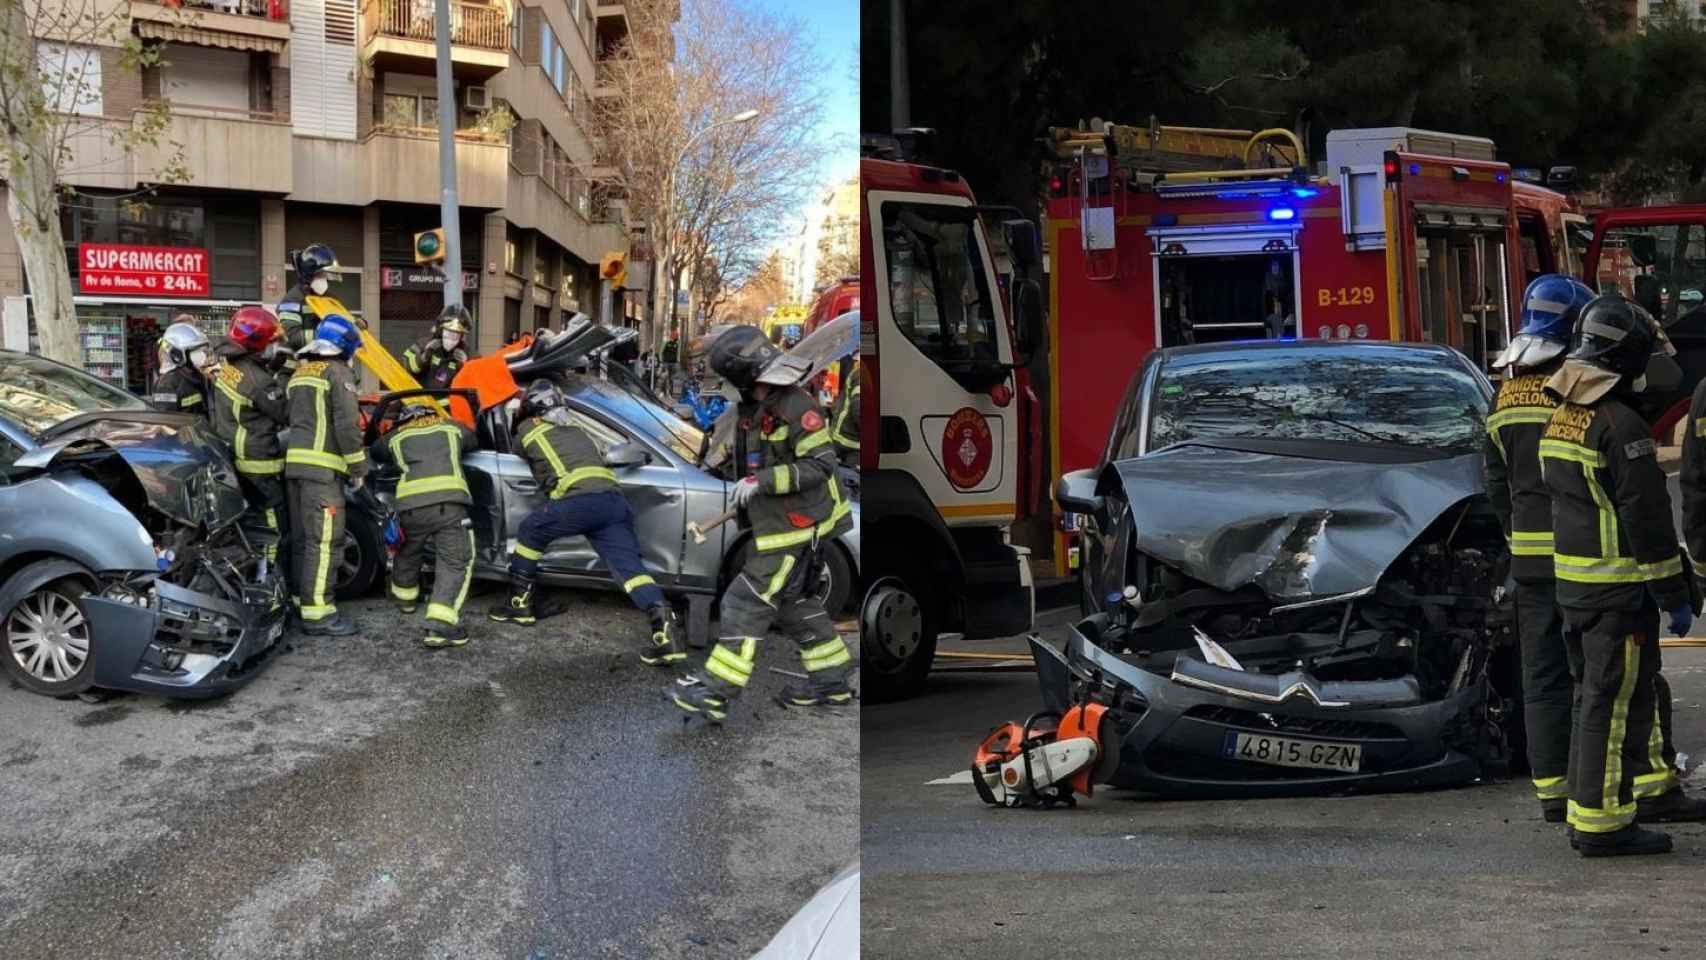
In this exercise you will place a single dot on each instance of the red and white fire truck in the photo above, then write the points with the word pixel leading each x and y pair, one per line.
pixel 1159 236
pixel 942 418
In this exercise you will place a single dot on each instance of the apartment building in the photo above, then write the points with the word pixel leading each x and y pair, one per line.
pixel 317 120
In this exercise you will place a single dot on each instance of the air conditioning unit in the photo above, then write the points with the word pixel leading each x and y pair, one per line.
pixel 476 97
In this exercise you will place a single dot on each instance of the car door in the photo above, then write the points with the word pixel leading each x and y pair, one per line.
pixel 654 490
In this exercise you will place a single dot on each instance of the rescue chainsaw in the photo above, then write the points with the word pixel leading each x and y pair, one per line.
pixel 1042 762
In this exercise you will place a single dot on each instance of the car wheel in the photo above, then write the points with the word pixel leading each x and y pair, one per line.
pixel 47 646
pixel 363 560
pixel 837 592
pixel 897 631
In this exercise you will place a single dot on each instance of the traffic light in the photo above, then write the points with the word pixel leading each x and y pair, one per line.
pixel 429 246
pixel 613 266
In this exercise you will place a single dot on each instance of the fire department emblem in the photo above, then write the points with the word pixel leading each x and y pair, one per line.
pixel 966 448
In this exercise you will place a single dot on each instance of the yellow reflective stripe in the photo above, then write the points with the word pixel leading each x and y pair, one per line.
pixel 782 478
pixel 315 458
pixel 777 435
pixel 440 612
pixel 189 401
pixel 1614 816
pixel 533 435
pixel 317 611
pixel 1700 427
pixel 812 442
pixel 360 456
pixel 467 573
pixel 577 475
pixel 405 593
pixel 1518 415
pixel 635 583
pixel 262 467
pixel 523 550
pixel 1526 544
pixel 314 382
pixel 1524 536
pixel 1613 570
pixel 776 541
pixel 410 488
pixel 1564 450
pixel 729 666
pixel 1662 779
pixel 1551 788
pixel 825 656
pixel 1612 784
pixel 323 568
pixel 778 581
pixel 1607 514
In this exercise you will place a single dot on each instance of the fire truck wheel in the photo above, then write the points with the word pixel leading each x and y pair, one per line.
pixel 897 630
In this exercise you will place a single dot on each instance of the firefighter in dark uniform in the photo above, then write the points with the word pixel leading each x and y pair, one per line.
pixel 432 501
pixel 844 421
pixel 792 497
pixel 316 269
pixel 1616 565
pixel 583 499
pixel 324 449
pixel 1550 306
pixel 435 360
pixel 249 411
pixel 181 386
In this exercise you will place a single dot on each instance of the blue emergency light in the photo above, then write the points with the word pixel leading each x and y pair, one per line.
pixel 1282 214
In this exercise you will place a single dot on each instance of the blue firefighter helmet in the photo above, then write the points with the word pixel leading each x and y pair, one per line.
pixel 1550 306
pixel 335 336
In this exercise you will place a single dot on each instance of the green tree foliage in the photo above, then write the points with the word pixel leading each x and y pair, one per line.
pixel 1550 81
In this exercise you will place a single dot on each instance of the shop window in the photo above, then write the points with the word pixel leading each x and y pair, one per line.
pixel 1663 268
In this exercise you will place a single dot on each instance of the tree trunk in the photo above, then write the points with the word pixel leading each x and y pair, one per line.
pixel 32 201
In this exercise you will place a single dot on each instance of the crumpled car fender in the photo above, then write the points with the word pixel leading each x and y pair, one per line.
pixel 34 513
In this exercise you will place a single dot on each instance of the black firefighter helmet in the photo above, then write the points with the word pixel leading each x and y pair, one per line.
pixel 1619 335
pixel 741 354
pixel 541 398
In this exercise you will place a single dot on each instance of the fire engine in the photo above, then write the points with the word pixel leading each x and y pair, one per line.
pixel 941 419
pixel 1159 236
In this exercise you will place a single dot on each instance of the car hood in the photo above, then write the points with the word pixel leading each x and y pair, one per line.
pixel 178 464
pixel 1294 527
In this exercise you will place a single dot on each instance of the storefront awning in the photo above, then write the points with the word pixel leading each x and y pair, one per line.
pixel 204 37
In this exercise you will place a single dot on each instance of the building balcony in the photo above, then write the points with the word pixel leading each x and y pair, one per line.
pixel 399 165
pixel 262 25
pixel 401 34
pixel 610 11
pixel 226 150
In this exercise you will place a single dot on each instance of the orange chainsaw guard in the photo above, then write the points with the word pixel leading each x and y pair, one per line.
pixel 1083 721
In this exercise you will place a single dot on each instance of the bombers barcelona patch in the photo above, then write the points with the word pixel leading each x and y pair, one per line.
pixel 812 421
pixel 1641 448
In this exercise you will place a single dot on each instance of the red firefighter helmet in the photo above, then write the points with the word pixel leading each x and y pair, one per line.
pixel 252 328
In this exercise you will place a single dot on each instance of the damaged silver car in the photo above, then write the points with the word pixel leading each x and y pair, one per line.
pixel 121 561
pixel 1292 577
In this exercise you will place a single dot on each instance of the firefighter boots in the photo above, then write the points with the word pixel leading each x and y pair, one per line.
pixel 440 635
pixel 1554 811
pixel 332 626
pixel 519 608
pixel 1671 807
pixel 834 694
pixel 692 695
pixel 665 648
pixel 1631 841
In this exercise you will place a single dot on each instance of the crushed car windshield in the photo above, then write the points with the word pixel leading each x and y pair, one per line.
pixel 642 414
pixel 38 394
pixel 1370 395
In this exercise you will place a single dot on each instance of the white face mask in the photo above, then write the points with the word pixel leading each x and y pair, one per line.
pixel 450 339
pixel 198 358
pixel 269 351
pixel 319 285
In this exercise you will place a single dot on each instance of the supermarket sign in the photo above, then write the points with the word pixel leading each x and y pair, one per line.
pixel 122 268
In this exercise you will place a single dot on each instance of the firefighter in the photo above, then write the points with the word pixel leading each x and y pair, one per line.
pixel 1616 565
pixel 1550 306
pixel 316 269
pixel 845 427
pixel 432 501
pixel 436 359
pixel 324 449
pixel 792 497
pixel 583 499
pixel 182 385
pixel 249 412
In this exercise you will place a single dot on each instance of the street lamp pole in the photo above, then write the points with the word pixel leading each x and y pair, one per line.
pixel 666 236
pixel 449 215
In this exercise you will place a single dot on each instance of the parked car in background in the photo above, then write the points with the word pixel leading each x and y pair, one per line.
pixel 121 562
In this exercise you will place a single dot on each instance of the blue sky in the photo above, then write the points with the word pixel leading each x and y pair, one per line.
pixel 832 26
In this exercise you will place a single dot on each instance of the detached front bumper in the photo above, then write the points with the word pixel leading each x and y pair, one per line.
pixel 1164 736
pixel 179 643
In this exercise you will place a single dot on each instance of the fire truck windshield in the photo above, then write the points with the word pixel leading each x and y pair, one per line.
pixel 939 292
pixel 1368 393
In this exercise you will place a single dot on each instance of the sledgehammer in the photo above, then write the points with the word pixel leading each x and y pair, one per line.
pixel 699 532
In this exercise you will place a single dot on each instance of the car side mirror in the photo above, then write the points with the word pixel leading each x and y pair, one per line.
pixel 1021 237
pixel 1028 321
pixel 626 455
pixel 1075 492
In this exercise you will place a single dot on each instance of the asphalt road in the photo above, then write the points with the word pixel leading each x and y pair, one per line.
pixel 531 796
pixel 1471 871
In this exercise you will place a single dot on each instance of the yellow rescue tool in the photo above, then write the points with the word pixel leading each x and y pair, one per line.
pixel 392 374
